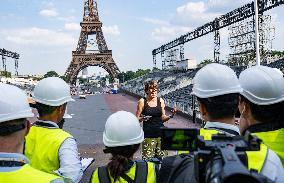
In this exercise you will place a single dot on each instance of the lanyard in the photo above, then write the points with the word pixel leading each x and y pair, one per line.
pixel 11 163
pixel 43 124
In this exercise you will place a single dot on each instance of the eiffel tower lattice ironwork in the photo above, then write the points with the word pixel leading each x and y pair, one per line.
pixel 82 58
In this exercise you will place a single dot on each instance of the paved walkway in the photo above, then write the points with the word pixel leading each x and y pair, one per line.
pixel 87 124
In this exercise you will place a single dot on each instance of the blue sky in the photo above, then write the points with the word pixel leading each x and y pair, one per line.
pixel 45 32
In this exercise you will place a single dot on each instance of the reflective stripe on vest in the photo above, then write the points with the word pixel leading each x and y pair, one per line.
pixel 42 145
pixel 27 174
pixel 151 175
pixel 274 140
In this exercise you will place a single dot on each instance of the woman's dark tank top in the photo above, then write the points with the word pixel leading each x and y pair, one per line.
pixel 152 126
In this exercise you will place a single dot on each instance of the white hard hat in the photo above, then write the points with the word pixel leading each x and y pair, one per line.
pixel 52 91
pixel 121 129
pixel 214 80
pixel 66 115
pixel 278 70
pixel 13 103
pixel 262 85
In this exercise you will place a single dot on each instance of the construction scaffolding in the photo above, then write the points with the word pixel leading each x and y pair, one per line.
pixel 241 41
pixel 171 58
pixel 5 53
pixel 228 19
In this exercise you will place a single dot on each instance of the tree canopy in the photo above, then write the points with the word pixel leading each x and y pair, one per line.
pixel 128 75
pixel 205 62
pixel 51 74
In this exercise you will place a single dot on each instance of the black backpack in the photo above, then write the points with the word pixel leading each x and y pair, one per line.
pixel 140 174
pixel 177 169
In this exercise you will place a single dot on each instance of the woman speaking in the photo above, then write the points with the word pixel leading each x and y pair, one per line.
pixel 151 111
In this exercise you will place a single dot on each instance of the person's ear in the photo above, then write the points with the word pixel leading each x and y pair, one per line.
pixel 28 127
pixel 202 110
pixel 241 106
pixel 240 100
pixel 62 109
pixel 247 109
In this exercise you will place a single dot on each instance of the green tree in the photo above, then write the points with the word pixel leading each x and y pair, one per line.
pixel 121 77
pixel 277 53
pixel 156 69
pixel 205 62
pixel 6 74
pixel 82 80
pixel 103 80
pixel 35 78
pixel 129 75
pixel 64 78
pixel 141 72
pixel 51 74
pixel 110 79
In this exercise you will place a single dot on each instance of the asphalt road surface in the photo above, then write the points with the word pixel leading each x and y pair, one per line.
pixel 89 117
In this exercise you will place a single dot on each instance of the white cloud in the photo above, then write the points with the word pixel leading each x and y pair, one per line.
pixel 72 26
pixel 48 13
pixel 67 18
pixel 167 33
pixel 155 21
pixel 198 13
pixel 192 7
pixel 193 14
pixel 38 37
pixel 111 30
pixel 228 5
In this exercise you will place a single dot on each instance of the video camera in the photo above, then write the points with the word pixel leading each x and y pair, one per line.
pixel 219 160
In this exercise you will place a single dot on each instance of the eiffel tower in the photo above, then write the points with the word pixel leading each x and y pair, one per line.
pixel 101 56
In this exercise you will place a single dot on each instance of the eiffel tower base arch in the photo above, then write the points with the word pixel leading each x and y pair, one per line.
pixel 81 61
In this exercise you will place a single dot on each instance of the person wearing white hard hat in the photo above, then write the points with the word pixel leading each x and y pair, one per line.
pixel 14 126
pixel 217 90
pixel 262 106
pixel 122 137
pixel 48 147
pixel 33 119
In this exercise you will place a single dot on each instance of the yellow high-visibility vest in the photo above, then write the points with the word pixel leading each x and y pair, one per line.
pixel 151 175
pixel 27 174
pixel 274 140
pixel 42 146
